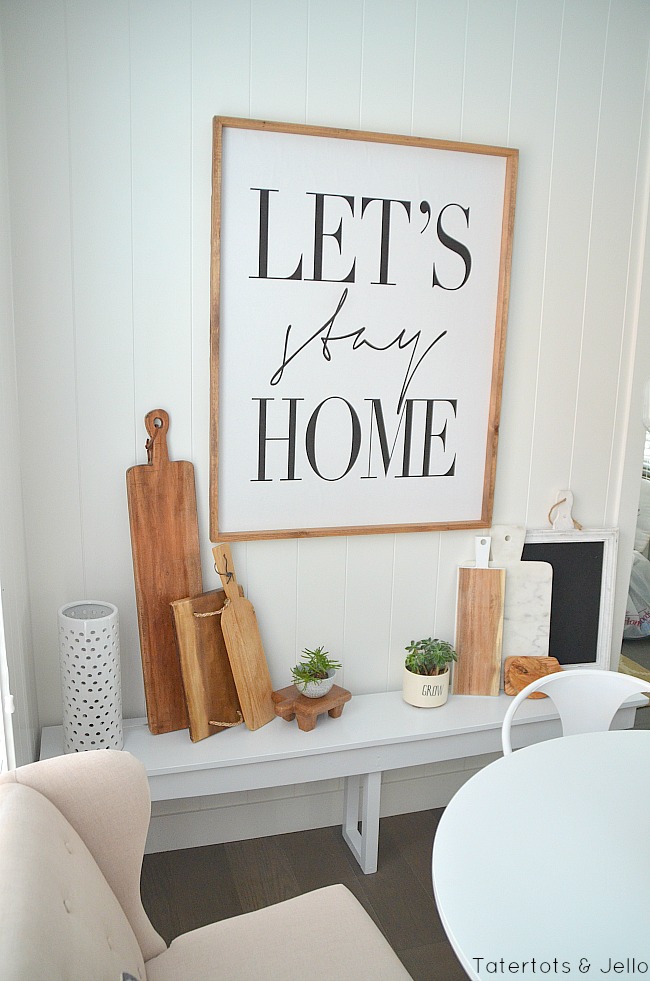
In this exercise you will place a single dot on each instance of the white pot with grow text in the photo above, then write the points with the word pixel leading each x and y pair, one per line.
pixel 425 690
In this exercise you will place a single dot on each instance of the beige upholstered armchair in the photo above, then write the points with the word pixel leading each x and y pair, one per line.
pixel 72 836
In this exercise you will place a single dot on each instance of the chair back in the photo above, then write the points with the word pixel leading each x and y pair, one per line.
pixel 586 700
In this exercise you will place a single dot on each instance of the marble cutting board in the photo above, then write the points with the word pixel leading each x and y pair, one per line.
pixel 527 607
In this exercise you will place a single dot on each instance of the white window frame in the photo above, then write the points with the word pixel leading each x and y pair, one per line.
pixel 7 748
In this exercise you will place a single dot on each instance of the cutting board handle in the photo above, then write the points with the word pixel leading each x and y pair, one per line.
pixel 507 543
pixel 157 423
pixel 224 566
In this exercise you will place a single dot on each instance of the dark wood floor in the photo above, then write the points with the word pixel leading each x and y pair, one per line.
pixel 185 889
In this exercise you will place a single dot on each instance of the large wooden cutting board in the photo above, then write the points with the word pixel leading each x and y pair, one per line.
pixel 210 691
pixel 166 567
pixel 479 630
pixel 244 646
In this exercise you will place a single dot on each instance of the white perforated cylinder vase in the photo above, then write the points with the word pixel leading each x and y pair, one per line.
pixel 89 651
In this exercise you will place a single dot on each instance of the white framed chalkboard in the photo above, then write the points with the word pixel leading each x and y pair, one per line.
pixel 359 296
pixel 582 603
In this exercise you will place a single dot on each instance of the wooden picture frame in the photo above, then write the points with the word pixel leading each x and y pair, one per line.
pixel 359 297
pixel 584 582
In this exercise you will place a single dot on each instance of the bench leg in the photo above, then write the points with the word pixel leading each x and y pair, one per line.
pixel 362 809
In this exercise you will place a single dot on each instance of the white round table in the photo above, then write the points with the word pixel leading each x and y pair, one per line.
pixel 541 861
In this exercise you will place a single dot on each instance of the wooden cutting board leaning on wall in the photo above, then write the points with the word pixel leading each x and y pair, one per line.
pixel 166 567
pixel 479 625
pixel 244 646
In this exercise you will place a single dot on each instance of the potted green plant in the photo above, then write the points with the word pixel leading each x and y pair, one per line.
pixel 314 674
pixel 426 672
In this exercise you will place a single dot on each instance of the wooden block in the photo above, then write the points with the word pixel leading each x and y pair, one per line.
pixel 207 676
pixel 520 671
pixel 290 704
pixel 479 631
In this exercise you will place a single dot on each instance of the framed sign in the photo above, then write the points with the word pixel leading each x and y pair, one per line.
pixel 359 294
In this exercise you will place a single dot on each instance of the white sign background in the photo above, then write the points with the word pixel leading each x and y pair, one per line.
pixel 354 332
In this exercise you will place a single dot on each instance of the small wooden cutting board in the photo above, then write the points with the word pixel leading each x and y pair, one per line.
pixel 521 671
pixel 166 567
pixel 479 625
pixel 244 645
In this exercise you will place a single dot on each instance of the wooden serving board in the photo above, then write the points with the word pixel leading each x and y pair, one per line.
pixel 166 567
pixel 521 671
pixel 479 629
pixel 209 685
pixel 244 645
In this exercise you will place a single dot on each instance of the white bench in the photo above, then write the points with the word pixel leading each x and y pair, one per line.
pixel 375 733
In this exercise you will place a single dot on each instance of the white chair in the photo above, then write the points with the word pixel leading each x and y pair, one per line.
pixel 586 700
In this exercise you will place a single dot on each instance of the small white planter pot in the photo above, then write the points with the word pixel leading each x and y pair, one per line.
pixel 425 691
pixel 316 689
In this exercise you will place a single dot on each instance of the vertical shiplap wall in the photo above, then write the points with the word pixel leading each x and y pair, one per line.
pixel 109 108
pixel 14 596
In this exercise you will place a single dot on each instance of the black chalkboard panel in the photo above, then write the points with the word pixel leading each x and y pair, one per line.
pixel 576 597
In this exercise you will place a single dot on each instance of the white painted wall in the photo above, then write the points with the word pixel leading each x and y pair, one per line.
pixel 22 727
pixel 109 108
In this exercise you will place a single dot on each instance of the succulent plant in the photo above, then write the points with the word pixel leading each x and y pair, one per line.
pixel 429 656
pixel 314 665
